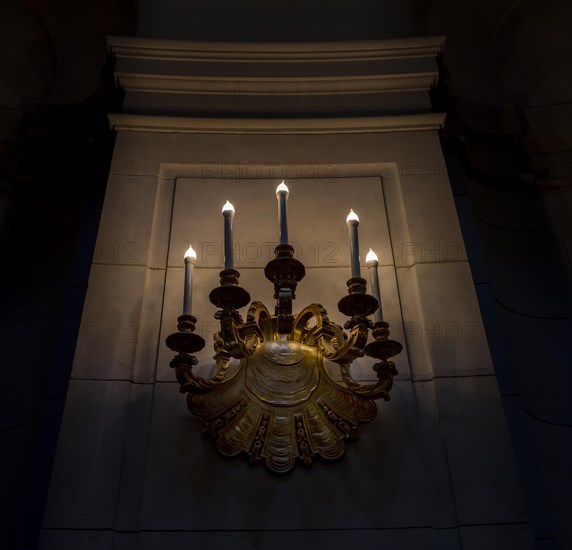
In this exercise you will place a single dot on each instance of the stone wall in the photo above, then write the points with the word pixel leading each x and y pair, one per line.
pixel 132 470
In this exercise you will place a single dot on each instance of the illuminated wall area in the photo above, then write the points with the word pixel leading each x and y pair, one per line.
pixel 435 469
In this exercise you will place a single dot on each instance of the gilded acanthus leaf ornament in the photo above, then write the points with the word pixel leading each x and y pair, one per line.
pixel 281 405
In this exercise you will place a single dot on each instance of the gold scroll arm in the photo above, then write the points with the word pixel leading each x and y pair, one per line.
pixel 258 322
pixel 382 348
pixel 332 340
pixel 235 339
pixel 183 364
pixel 340 348
pixel 329 337
pixel 303 331
pixel 240 339
pixel 385 372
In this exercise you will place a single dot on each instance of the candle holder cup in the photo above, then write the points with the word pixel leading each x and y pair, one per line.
pixel 185 342
pixel 357 304
pixel 229 296
pixel 285 272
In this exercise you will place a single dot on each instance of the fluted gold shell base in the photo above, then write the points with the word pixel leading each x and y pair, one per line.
pixel 281 406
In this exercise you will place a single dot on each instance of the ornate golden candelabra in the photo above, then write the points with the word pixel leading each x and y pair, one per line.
pixel 281 404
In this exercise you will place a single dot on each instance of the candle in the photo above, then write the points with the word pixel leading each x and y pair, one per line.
pixel 353 221
pixel 372 263
pixel 190 258
pixel 228 214
pixel 282 196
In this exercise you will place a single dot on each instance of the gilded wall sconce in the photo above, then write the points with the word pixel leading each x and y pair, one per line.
pixel 281 405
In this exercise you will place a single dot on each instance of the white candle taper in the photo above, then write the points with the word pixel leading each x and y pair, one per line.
pixel 352 222
pixel 228 214
pixel 372 263
pixel 282 196
pixel 190 259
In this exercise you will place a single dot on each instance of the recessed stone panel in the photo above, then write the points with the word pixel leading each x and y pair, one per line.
pixel 317 211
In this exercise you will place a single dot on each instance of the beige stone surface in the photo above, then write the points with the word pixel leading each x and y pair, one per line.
pixel 391 76
pixel 87 470
pixel 420 209
pixel 136 219
pixel 443 326
pixel 140 461
pixel 275 156
pixel 126 225
pixel 131 485
pixel 317 210
pixel 394 476
pixel 433 233
pixel 119 331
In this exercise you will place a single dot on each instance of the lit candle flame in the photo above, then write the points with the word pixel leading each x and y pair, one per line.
pixel 282 188
pixel 352 217
pixel 227 207
pixel 371 257
pixel 190 253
